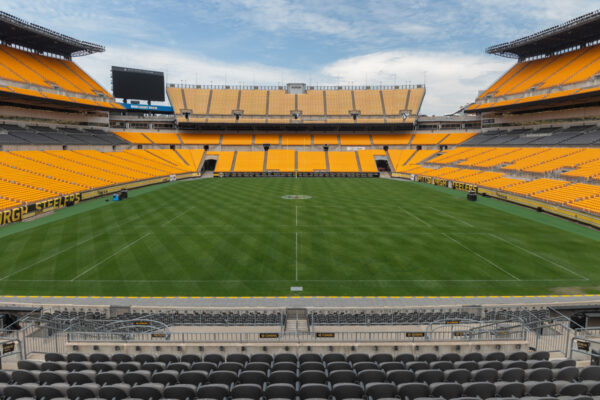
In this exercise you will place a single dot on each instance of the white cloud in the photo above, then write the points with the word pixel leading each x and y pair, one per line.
pixel 452 79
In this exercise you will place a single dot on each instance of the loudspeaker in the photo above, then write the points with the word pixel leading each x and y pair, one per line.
pixel 205 147
pixel 266 146
pixel 123 194
pixel 325 147
pixel 385 148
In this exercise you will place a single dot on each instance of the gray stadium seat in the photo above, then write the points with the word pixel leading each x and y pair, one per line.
pixel 117 391
pixel 482 390
pixel 334 357
pixel 281 357
pixel 110 377
pixel 289 377
pixel 510 389
pixel 343 391
pixel 165 378
pixel 137 377
pixel 193 377
pixel 538 374
pixel 379 390
pixel 48 392
pixel 484 375
pixel 246 391
pixel 382 358
pixel 429 376
pixel 147 391
pixel 313 391
pixel 511 375
pixel 411 391
pixel 23 376
pixel 457 375
pixel 256 377
pixel 358 357
pixel 50 377
pixel 180 392
pixel 446 390
pixel 98 357
pixel 401 376
pixel 342 376
pixel 121 358
pixel 81 377
pixel 452 357
pixel 286 366
pixel 216 391
pixel 539 389
pixel 280 391
pixel 85 391
pixel 224 377
pixel 191 358
pixel 371 376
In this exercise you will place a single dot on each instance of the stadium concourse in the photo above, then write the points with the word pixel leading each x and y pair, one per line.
pixel 212 249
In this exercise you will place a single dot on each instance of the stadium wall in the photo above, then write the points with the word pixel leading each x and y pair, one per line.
pixel 570 214
pixel 22 213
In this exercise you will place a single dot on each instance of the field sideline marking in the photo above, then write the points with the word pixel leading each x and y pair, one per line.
pixel 111 256
pixel 480 256
pixel 452 216
pixel 415 217
pixel 304 280
pixel 540 257
pixel 51 256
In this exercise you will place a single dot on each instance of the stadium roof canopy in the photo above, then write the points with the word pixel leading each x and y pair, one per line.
pixel 574 33
pixel 15 31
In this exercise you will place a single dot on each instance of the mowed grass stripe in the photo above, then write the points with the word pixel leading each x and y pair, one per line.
pixel 238 237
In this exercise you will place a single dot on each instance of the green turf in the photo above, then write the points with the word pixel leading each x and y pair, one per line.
pixel 238 237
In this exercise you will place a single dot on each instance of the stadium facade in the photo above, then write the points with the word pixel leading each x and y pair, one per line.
pixel 531 138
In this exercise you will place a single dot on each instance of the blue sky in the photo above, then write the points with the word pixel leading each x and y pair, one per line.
pixel 441 42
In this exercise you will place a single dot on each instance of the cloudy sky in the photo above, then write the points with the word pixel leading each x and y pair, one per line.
pixel 439 42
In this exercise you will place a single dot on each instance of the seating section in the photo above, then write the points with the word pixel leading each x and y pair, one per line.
pixel 277 106
pixel 281 160
pixel 311 161
pixel 342 161
pixel 46 74
pixel 568 68
pixel 30 176
pixel 338 376
pixel 249 161
pixel 289 139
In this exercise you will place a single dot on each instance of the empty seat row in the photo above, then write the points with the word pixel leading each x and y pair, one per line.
pixel 170 377
pixel 313 357
pixel 341 391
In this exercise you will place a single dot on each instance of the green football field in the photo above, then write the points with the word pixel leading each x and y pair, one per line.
pixel 240 237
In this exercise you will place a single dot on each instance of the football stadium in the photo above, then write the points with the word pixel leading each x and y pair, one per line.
pixel 167 240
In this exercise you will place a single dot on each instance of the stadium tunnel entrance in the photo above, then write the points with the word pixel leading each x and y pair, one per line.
pixel 209 165
pixel 382 165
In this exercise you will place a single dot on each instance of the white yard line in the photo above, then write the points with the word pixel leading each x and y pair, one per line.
pixel 177 216
pixel 109 257
pixel 480 256
pixel 296 255
pixel 453 217
pixel 415 217
pixel 539 256
pixel 51 256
